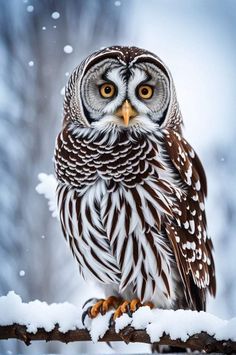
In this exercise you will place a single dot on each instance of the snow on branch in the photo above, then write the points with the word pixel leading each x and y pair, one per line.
pixel 47 187
pixel 200 342
pixel 39 321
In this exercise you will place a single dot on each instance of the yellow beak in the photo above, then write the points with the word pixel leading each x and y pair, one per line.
pixel 126 111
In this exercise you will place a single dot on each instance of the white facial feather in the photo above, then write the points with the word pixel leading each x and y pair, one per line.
pixel 141 122
pixel 115 76
pixel 138 76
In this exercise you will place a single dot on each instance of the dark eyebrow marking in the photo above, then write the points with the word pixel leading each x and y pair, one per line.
pixel 149 77
pixel 104 75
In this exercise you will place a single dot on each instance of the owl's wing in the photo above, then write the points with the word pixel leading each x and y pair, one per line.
pixel 187 231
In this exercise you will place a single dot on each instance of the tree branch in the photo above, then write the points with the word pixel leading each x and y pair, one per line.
pixel 201 341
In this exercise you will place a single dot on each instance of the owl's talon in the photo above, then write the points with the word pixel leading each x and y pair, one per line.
pixel 85 314
pixel 100 307
pixel 135 304
pixel 102 311
pixel 93 299
pixel 111 321
pixel 130 307
pixel 129 311
pixel 117 313
pixel 95 310
pixel 123 307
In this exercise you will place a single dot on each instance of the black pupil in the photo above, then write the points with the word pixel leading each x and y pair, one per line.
pixel 107 90
pixel 144 91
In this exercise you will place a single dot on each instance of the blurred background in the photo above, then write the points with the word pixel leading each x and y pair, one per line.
pixel 41 41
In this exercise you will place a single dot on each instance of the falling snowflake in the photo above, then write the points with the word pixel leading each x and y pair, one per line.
pixel 55 15
pixel 30 8
pixel 43 236
pixel 22 273
pixel 62 92
pixel 117 3
pixel 67 73
pixel 44 28
pixel 31 63
pixel 68 49
pixel 55 26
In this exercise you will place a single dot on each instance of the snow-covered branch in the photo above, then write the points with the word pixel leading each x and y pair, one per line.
pixel 39 321
pixel 201 341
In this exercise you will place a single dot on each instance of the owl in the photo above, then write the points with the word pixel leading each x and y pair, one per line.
pixel 131 189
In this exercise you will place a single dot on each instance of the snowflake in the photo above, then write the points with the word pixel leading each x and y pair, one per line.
pixel 68 49
pixel 55 15
pixel 30 8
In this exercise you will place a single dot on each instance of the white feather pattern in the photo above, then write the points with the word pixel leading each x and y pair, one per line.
pixel 103 245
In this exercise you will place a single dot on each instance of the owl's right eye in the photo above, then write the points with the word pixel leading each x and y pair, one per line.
pixel 107 90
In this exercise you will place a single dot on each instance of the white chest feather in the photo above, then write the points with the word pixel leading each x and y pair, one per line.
pixel 117 236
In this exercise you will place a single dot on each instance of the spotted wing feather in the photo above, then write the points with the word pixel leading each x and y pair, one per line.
pixel 188 231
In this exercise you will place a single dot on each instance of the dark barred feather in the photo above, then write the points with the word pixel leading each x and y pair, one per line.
pixel 112 230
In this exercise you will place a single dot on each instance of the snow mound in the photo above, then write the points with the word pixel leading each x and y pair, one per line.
pixel 98 326
pixel 38 314
pixel 178 324
pixel 47 187
pixel 182 324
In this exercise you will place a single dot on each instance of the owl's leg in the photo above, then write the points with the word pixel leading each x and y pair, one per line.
pixel 130 307
pixel 101 306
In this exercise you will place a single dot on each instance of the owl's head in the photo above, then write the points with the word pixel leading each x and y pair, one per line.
pixel 122 87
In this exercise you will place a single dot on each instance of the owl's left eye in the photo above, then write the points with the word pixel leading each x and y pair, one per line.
pixel 107 90
pixel 145 91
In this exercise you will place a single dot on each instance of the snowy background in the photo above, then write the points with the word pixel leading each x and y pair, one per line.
pixel 41 42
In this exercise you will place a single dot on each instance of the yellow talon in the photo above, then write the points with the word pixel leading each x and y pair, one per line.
pixel 95 309
pixel 134 304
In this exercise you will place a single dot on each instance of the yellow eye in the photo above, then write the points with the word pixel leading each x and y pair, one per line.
pixel 145 91
pixel 107 90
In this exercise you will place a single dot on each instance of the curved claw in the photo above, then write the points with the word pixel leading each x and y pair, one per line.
pixel 85 314
pixel 90 300
pixel 99 306
pixel 111 321
pixel 128 310
pixel 96 308
pixel 101 310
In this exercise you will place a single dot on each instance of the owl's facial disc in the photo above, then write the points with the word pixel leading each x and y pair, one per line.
pixel 113 93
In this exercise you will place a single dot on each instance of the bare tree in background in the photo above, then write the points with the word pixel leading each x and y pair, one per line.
pixel 33 254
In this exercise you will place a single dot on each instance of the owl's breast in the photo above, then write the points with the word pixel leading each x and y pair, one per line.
pixel 127 163
pixel 113 190
pixel 125 159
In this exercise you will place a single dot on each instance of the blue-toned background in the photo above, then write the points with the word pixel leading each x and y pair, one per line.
pixel 197 41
